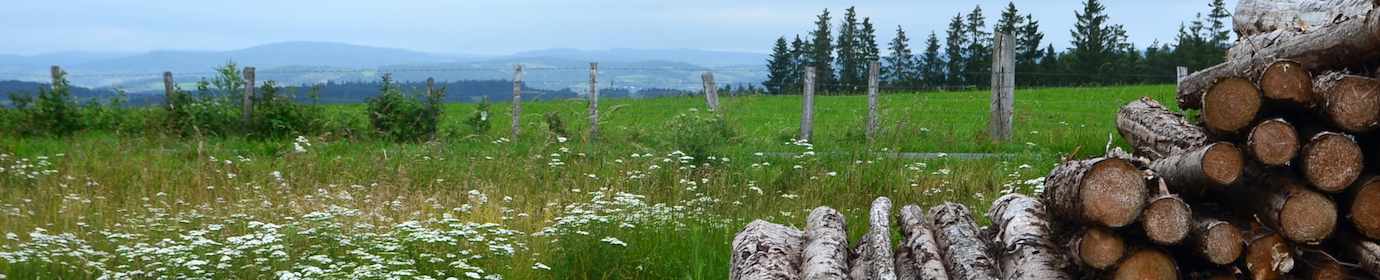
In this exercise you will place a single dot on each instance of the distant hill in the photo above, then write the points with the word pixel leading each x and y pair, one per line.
pixel 692 56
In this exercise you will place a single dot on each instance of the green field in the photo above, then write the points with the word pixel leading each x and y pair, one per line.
pixel 631 205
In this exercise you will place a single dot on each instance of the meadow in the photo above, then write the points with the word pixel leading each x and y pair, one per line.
pixel 658 195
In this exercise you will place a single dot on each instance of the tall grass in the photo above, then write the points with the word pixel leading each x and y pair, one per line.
pixel 482 206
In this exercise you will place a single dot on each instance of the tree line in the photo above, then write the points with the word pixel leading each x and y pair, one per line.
pixel 1101 53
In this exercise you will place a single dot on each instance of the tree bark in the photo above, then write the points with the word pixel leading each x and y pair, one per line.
pixel 764 250
pixel 1254 17
pixel 1365 252
pixel 1166 218
pixel 1022 232
pixel 964 251
pixel 1098 191
pixel 1230 104
pixel 1351 102
pixel 1267 254
pixel 1147 263
pixel 826 245
pixel 1331 161
pixel 1156 132
pixel 1273 142
pixel 917 240
pixel 1286 84
pixel 1345 42
pixel 1098 248
pixel 1320 265
pixel 1215 240
pixel 875 259
pixel 1195 171
pixel 1285 204
pixel 1363 206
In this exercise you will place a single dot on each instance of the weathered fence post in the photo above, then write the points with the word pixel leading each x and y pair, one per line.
pixel 57 75
pixel 593 102
pixel 1180 72
pixel 1003 87
pixel 431 107
pixel 711 92
pixel 807 117
pixel 169 88
pixel 248 102
pixel 517 101
pixel 873 71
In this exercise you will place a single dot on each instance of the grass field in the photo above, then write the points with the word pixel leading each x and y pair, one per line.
pixel 632 205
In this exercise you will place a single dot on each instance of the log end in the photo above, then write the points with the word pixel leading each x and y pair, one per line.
pixel 1268 257
pixel 1287 81
pixel 1113 193
pixel 1147 264
pixel 1100 248
pixel 1223 162
pixel 1274 142
pixel 1332 161
pixel 1365 210
pixel 1329 271
pixel 1231 104
pixel 1222 244
pixel 1353 103
pixel 1167 220
pixel 1308 217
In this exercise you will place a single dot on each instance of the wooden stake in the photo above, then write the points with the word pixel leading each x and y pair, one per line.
pixel 431 95
pixel 1180 72
pixel 1003 87
pixel 807 117
pixel 593 102
pixel 248 101
pixel 873 73
pixel 711 91
pixel 169 89
pixel 57 76
pixel 517 102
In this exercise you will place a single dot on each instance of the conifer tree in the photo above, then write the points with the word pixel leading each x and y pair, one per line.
pixel 932 63
pixel 899 68
pixel 821 52
pixel 779 67
pixel 954 52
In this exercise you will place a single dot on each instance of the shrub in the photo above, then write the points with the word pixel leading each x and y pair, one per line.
pixel 277 115
pixel 556 124
pixel 51 112
pixel 700 136
pixel 478 122
pixel 214 110
pixel 403 116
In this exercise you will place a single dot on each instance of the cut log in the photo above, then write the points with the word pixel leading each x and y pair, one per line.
pixel 1215 240
pixel 964 251
pixel 1365 252
pixel 764 250
pixel 1273 142
pixel 1231 104
pixel 1166 219
pixel 1267 254
pixel 1156 132
pixel 1098 248
pixel 874 257
pixel 1286 84
pixel 1147 263
pixel 1362 201
pixel 1097 192
pixel 1285 204
pixel 1217 274
pixel 825 254
pixel 1345 42
pixel 918 241
pixel 1253 17
pixel 1194 171
pixel 1351 102
pixel 1331 161
pixel 1022 233
pixel 1319 265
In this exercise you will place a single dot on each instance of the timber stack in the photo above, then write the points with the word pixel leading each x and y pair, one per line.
pixel 1276 175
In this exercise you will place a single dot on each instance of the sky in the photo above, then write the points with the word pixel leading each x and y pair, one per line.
pixel 508 26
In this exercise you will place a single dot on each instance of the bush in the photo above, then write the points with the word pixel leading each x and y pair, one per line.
pixel 403 116
pixel 51 112
pixel 214 110
pixel 556 124
pixel 700 136
pixel 278 116
pixel 478 122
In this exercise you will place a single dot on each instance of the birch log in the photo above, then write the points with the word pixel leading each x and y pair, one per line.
pixel 826 245
pixel 962 247
pixel 1022 232
pixel 764 250
pixel 917 240
pixel 1253 17
pixel 875 259
pixel 1154 131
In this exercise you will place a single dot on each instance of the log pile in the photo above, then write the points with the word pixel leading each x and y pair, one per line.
pixel 1275 175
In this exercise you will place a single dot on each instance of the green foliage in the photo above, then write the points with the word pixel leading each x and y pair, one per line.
pixel 216 109
pixel 403 116
pixel 52 112
pixel 277 115
pixel 779 68
pixel 478 121
pixel 700 136
pixel 556 124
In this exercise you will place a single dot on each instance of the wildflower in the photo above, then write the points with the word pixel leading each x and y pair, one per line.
pixel 758 154
pixel 541 266
pixel 440 180
pixel 592 176
pixel 797 167
pixel 561 139
pixel 298 147
pixel 1023 166
pixel 614 241
pixel 832 174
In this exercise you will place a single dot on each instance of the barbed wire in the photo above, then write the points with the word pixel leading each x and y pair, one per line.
pixel 540 69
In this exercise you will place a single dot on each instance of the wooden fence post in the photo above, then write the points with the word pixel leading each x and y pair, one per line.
pixel 593 102
pixel 711 91
pixel 873 71
pixel 1003 87
pixel 248 103
pixel 57 75
pixel 807 117
pixel 169 88
pixel 517 102
pixel 1181 73
pixel 431 108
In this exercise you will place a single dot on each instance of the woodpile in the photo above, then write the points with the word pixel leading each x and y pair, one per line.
pixel 1273 176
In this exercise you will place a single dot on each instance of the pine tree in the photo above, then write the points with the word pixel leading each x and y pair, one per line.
pixel 847 47
pixel 1096 44
pixel 778 67
pixel 799 58
pixel 1010 21
pixel 868 50
pixel 899 67
pixel 1220 34
pixel 953 52
pixel 932 63
pixel 821 52
pixel 979 50
pixel 1028 53
pixel 1193 46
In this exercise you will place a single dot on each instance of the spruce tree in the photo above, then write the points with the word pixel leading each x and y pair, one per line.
pixel 798 61
pixel 847 48
pixel 778 67
pixel 821 52
pixel 899 67
pixel 954 52
pixel 932 63
pixel 978 55
pixel 1028 53
pixel 1010 21
pixel 1096 44
pixel 867 47
pixel 1221 36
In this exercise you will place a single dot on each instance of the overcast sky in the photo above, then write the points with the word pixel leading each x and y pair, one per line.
pixel 508 26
